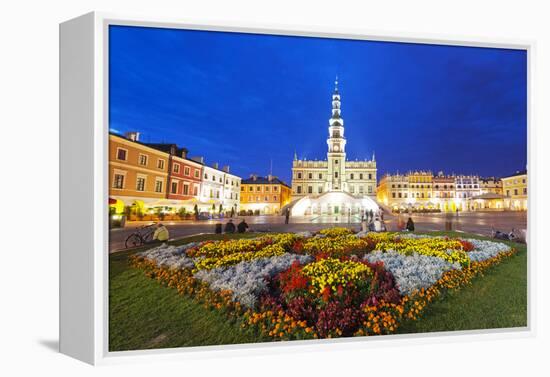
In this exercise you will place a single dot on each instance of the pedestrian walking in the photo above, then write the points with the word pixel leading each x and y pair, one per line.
pixel 287 215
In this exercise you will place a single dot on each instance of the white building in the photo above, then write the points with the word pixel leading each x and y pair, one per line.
pixel 219 187
pixel 231 191
pixel 336 185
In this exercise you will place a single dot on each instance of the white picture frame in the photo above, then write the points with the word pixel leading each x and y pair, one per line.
pixel 84 178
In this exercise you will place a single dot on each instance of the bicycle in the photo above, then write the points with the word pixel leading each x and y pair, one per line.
pixel 141 236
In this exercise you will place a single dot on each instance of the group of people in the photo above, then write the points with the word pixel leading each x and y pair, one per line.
pixel 240 228
pixel 373 221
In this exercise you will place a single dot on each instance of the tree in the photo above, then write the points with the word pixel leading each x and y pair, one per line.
pixel 182 212
pixel 196 209
pixel 221 209
pixel 160 213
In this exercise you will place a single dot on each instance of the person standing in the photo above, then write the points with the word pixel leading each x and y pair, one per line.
pixel 287 215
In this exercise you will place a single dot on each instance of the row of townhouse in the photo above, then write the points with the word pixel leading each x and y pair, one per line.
pixel 161 177
pixel 422 190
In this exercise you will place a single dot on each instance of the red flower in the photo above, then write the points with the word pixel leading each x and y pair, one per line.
pixel 326 294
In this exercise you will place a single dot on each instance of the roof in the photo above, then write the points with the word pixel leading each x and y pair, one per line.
pixel 518 172
pixel 166 148
pixel 263 181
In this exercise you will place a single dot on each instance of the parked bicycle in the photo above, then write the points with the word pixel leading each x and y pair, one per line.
pixel 142 235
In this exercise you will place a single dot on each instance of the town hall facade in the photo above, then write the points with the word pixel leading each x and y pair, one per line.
pixel 335 185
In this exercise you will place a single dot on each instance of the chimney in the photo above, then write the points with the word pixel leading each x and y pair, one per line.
pixel 226 168
pixel 198 159
pixel 215 165
pixel 133 136
pixel 184 152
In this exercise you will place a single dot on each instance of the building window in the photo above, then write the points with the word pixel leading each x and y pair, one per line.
pixel 336 162
pixel 352 189
pixel 361 190
pixel 118 181
pixel 515 191
pixel 351 176
pixel 361 176
pixel 242 188
pixel 266 189
pixel 185 189
pixel 258 188
pixel 250 188
pixel 319 190
pixel 299 189
pixel 299 175
pixel 176 168
pixel 320 176
pixel 310 176
pixel 370 189
pixel 406 195
pixel 142 159
pixel 399 195
pixel 160 164
pixel 197 174
pixel 205 176
pixel 266 198
pixel 393 194
pixel 121 154
pixel 195 190
pixel 370 176
pixel 275 189
pixel 174 188
pixel 274 198
pixel 140 184
pixel 335 174
pixel 217 194
pixel 310 189
pixel 186 171
pixel 525 191
pixel 158 185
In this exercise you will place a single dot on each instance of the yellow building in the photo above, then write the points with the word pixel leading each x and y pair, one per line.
pixel 514 188
pixel 490 185
pixel 393 191
pixel 420 188
pixel 264 195
pixel 137 173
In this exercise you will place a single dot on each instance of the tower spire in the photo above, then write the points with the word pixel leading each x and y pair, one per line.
pixel 373 159
pixel 295 155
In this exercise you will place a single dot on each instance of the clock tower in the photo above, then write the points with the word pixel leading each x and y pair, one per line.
pixel 336 156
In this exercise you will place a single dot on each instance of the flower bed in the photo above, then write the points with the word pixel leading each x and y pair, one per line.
pixel 330 284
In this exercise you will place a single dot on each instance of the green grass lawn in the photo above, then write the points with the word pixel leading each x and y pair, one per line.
pixel 143 314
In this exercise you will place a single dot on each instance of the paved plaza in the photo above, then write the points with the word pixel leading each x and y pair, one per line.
pixel 479 223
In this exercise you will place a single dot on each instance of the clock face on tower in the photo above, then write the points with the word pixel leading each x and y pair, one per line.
pixel 336 148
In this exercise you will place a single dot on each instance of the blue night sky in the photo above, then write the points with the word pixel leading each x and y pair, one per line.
pixel 244 99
